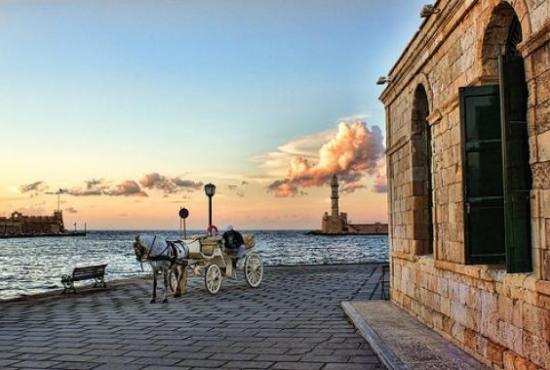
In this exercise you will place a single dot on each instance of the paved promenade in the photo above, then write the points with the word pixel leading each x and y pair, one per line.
pixel 293 321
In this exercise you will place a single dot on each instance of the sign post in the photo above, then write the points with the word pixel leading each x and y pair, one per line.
pixel 183 213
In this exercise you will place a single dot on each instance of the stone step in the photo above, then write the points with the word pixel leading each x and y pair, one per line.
pixel 402 342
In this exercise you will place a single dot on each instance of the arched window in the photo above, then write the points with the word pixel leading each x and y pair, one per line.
pixel 497 175
pixel 421 139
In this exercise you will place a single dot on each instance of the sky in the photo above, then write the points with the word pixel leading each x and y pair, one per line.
pixel 130 107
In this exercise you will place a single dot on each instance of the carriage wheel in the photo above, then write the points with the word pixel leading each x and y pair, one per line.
pixel 253 270
pixel 213 279
pixel 173 280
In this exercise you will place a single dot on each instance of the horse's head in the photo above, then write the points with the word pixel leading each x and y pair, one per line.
pixel 139 249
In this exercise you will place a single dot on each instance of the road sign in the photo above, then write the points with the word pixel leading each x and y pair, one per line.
pixel 184 213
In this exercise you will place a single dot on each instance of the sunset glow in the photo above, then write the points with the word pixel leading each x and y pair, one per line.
pixel 131 107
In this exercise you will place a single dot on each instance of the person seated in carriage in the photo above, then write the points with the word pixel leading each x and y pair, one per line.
pixel 234 242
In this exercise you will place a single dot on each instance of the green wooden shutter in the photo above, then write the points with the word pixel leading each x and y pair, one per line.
pixel 517 173
pixel 482 171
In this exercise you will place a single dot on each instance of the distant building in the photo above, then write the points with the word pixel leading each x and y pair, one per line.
pixel 19 224
pixel 337 223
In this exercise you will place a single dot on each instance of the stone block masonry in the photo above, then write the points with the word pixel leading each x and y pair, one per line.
pixel 501 318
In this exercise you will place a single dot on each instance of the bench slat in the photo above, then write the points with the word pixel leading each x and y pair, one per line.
pixel 88 272
pixel 86 276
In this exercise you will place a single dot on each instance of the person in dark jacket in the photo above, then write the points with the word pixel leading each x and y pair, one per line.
pixel 234 242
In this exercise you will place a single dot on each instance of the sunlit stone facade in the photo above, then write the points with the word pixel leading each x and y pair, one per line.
pixel 500 317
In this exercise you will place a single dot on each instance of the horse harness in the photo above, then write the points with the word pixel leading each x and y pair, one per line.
pixel 161 257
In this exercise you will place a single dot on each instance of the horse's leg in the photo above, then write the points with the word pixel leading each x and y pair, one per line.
pixel 165 276
pixel 154 286
pixel 177 271
pixel 182 280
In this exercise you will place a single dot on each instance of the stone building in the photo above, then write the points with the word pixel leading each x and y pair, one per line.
pixel 19 224
pixel 337 222
pixel 468 161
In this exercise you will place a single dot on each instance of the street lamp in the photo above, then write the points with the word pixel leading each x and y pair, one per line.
pixel 383 80
pixel 210 190
pixel 428 10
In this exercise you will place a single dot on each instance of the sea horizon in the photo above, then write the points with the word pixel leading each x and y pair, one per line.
pixel 35 265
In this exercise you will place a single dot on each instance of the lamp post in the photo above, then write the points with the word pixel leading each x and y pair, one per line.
pixel 210 190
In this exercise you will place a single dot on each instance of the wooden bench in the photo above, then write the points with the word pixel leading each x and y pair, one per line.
pixel 96 273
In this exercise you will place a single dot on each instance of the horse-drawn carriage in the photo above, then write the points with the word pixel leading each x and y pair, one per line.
pixel 208 257
pixel 204 256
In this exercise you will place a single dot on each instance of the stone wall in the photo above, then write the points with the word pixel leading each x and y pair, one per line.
pixel 376 228
pixel 503 319
pixel 18 223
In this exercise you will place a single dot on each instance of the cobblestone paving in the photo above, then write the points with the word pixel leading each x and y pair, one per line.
pixel 293 321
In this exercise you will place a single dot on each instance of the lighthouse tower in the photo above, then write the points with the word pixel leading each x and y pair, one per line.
pixel 336 222
pixel 334 196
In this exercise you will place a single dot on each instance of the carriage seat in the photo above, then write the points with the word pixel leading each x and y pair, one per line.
pixel 249 240
pixel 203 246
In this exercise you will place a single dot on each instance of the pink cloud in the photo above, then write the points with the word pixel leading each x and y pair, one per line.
pixel 168 185
pixel 380 184
pixel 350 188
pixel 353 152
pixel 127 188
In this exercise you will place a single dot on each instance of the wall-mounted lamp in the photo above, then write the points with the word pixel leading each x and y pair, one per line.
pixel 383 80
pixel 428 10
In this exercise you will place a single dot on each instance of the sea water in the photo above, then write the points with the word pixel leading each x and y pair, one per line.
pixel 34 265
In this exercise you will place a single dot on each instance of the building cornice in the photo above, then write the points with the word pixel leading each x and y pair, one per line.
pixel 536 41
pixel 425 39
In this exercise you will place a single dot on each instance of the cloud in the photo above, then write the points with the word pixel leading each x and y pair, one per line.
pixel 71 210
pixel 92 188
pixel 187 184
pixel 35 187
pixel 352 152
pixel 275 163
pixel 82 192
pixel 238 189
pixel 93 183
pixel 380 184
pixel 350 188
pixel 284 189
pixel 99 187
pixel 168 185
pixel 127 188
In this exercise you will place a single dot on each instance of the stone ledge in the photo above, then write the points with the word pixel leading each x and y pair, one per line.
pixel 402 342
pixel 489 273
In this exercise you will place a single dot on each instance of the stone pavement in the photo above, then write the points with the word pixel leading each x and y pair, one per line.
pixel 293 321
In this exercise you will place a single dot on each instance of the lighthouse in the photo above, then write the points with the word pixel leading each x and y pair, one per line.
pixel 336 223
pixel 334 196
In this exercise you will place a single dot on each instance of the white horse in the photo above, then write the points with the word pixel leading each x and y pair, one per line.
pixel 164 258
